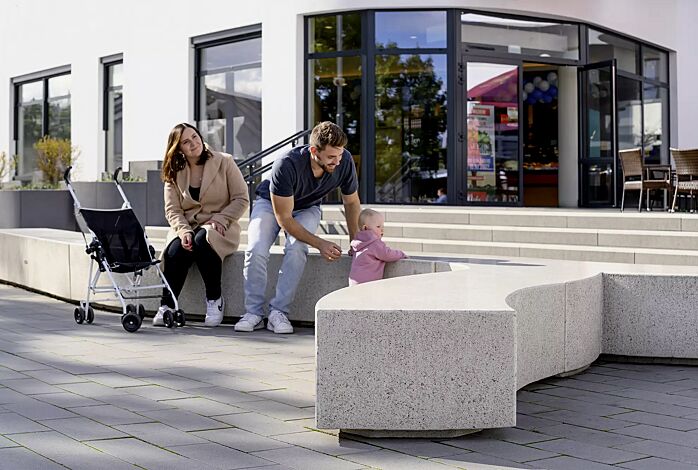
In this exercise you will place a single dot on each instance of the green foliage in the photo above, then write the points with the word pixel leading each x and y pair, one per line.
pixel 53 157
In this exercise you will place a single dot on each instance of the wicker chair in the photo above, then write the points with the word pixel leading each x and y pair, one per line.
pixel 686 164
pixel 635 176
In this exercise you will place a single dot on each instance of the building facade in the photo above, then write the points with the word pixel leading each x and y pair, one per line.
pixel 498 102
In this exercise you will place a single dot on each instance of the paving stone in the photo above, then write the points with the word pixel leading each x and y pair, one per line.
pixel 661 421
pixel 570 463
pixel 67 400
pixel 501 449
pixel 515 435
pixel 223 395
pixel 653 463
pixel 221 456
pixel 135 403
pixel 664 450
pixel 527 408
pixel 654 407
pixel 423 448
pixel 30 386
pixel 587 421
pixel 156 392
pixel 146 455
pixel 6 373
pixel 19 364
pixel 5 442
pixel 204 406
pixel 19 457
pixel 391 460
pixel 110 415
pixel 261 424
pixel 591 436
pixel 326 443
pixel 91 390
pixel 278 410
pixel 83 429
pixel 658 397
pixel 7 395
pixel 475 461
pixel 174 382
pixel 533 423
pixel 587 451
pixel 302 459
pixel 69 452
pixel 184 420
pixel 571 404
pixel 241 440
pixel 288 397
pixel 114 380
pixel 12 423
pixel 160 434
pixel 55 377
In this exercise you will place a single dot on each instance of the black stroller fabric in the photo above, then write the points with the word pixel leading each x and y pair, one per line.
pixel 122 238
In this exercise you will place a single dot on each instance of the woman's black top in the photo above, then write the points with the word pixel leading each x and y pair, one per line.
pixel 194 192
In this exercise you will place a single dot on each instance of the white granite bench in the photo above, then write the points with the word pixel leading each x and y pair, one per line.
pixel 444 354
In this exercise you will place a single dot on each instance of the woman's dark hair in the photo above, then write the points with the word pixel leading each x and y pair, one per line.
pixel 175 161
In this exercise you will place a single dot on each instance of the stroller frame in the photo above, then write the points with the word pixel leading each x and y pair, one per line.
pixel 104 261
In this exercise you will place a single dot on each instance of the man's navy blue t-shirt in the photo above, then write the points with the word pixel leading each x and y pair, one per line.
pixel 292 175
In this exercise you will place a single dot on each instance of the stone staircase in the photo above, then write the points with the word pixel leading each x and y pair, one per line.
pixel 569 234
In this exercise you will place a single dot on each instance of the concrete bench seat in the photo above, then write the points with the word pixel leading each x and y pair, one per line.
pixel 443 354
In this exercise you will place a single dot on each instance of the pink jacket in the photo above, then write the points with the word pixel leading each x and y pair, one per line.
pixel 370 256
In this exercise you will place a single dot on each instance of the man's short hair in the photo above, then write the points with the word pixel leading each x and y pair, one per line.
pixel 366 214
pixel 328 133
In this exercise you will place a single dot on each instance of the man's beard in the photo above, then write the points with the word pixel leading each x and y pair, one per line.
pixel 325 167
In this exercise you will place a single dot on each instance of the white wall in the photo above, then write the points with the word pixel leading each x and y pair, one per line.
pixel 154 37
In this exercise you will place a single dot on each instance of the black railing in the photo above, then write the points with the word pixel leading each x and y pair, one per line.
pixel 250 168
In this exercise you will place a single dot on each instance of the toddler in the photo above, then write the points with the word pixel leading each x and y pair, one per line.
pixel 370 253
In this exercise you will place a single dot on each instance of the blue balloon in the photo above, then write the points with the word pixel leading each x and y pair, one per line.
pixel 537 94
pixel 552 91
pixel 531 100
pixel 547 98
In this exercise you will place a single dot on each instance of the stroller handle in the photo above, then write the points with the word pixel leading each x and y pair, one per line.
pixel 116 173
pixel 66 175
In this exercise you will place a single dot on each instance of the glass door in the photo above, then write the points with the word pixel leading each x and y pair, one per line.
pixel 492 150
pixel 598 153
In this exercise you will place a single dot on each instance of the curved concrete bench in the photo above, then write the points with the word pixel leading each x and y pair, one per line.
pixel 444 354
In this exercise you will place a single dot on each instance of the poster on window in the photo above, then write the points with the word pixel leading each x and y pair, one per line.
pixel 480 137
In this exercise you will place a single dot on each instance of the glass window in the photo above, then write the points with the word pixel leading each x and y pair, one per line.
pixel 59 106
pixel 230 96
pixel 30 124
pixel 492 132
pixel 654 64
pixel 629 112
pixel 656 125
pixel 542 39
pixel 335 85
pixel 410 29
pixel 410 120
pixel 115 116
pixel 605 46
pixel 334 33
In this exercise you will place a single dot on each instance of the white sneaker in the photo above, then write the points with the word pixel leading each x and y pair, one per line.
pixel 157 319
pixel 214 312
pixel 249 322
pixel 278 322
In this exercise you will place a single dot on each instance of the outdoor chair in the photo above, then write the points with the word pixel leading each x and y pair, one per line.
pixel 640 177
pixel 686 164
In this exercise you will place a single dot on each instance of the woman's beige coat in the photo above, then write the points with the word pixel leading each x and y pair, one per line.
pixel 223 198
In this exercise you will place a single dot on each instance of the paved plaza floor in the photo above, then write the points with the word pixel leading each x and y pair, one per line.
pixel 94 396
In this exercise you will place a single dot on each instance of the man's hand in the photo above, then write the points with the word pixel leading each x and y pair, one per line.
pixel 187 242
pixel 329 250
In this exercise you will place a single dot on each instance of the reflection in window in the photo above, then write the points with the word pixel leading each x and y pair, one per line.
pixel 48 97
pixel 333 33
pixel 230 96
pixel 411 29
pixel 335 85
pixel 410 119
pixel 605 46
pixel 115 117
pixel 492 132
pixel 654 64
pixel 656 107
pixel 629 113
pixel 514 36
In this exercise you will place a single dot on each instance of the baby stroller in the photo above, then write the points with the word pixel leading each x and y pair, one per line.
pixel 119 246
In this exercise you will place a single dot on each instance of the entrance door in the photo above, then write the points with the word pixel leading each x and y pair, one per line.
pixel 598 153
pixel 492 152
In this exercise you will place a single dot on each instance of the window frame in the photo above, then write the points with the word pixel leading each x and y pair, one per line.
pixel 106 63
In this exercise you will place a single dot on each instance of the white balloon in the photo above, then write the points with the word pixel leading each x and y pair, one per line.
pixel 529 87
pixel 537 80
pixel 544 85
pixel 552 76
pixel 525 95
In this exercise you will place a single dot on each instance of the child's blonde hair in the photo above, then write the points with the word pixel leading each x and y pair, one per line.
pixel 366 214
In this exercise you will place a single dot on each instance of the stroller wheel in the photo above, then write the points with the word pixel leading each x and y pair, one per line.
pixel 79 315
pixel 179 318
pixel 131 322
pixel 168 318
pixel 90 316
pixel 141 311
pixel 130 308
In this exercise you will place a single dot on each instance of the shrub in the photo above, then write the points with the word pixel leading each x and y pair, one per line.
pixel 53 157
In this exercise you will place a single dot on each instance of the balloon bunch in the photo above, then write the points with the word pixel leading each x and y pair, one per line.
pixel 541 91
